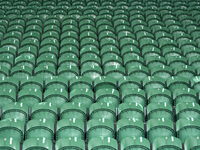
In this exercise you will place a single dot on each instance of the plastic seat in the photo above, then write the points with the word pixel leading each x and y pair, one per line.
pixel 44 11
pixel 191 142
pixel 44 110
pixel 100 128
pixel 128 82
pixel 103 143
pixel 176 82
pixel 159 128
pixel 104 82
pixel 102 110
pixel 160 110
pixel 40 128
pixel 7 52
pixel 27 61
pixel 153 82
pixel 49 51
pixel 90 61
pixel 38 143
pixel 140 72
pixel 133 61
pixel 9 83
pixel 70 143
pixel 12 128
pixel 70 128
pixel 56 82
pixel 69 51
pixel 190 51
pixel 186 128
pixel 115 71
pixel 6 61
pixel 44 72
pixel 131 110
pixel 134 95
pixel 171 51
pixel 4 72
pixel 195 83
pixel 185 71
pixel 31 82
pixel 108 95
pixel 89 50
pixel 109 60
pixel 170 142
pixel 56 96
pixel 129 128
pixel 80 82
pixel 150 52
pixel 109 50
pixel 47 61
pixel 9 143
pixel 15 110
pixel 68 72
pixel 84 96
pixel 73 110
pixel 20 72
pixel 184 95
pixel 91 72
pixel 134 143
pixel 161 71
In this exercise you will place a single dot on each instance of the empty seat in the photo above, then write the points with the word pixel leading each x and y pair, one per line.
pixel 103 143
pixel 27 61
pixel 44 110
pixel 135 143
pixel 91 72
pixel 7 96
pixel 185 71
pixel 159 128
pixel 108 95
pixel 153 82
pixel 12 128
pixel 100 128
pixel 104 82
pixel 31 83
pixel 175 61
pixel 192 142
pixel 161 71
pixel 73 110
pixel 70 128
pixel 195 83
pixel 68 72
pixel 37 143
pixel 129 128
pixel 138 71
pixel 56 82
pixel 9 143
pixel 84 96
pixel 170 142
pixel 20 72
pixel 160 110
pixel 128 82
pixel 184 95
pixel 159 95
pixel 70 143
pixel 187 110
pixel 9 83
pixel 102 110
pixel 15 110
pixel 187 127
pixel 176 82
pixel 44 72
pixel 40 128
pixel 115 71
pixel 80 82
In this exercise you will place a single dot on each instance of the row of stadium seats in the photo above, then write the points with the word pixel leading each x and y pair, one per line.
pixel 102 143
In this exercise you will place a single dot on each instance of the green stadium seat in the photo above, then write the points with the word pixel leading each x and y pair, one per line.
pixel 159 128
pixel 73 110
pixel 40 128
pixel 104 82
pixel 91 72
pixel 9 83
pixel 160 110
pixel 191 142
pixel 186 128
pixel 135 143
pixel 56 82
pixel 185 71
pixel 44 110
pixel 44 72
pixel 9 143
pixel 27 61
pixel 129 128
pixel 68 143
pixel 170 142
pixel 20 72
pixel 115 71
pixel 140 72
pixel 128 82
pixel 191 51
pixel 171 51
pixel 195 83
pixel 8 52
pixel 15 110
pixel 31 82
pixel 37 143
pixel 89 50
pixel 187 110
pixel 150 51
pixel 56 96
pixel 102 110
pixel 133 61
pixel 134 95
pixel 110 51
pixel 80 82
pixel 109 60
pixel 84 35
pixel 49 51
pixel 12 128
pixel 69 51
pixel 90 61
pixel 161 71
pixel 83 96
pixel 131 110
pixel 154 61
pixel 153 82
pixel 102 128
pixel 47 61
pixel 28 50
pixel 103 143
pixel 4 72
pixel 176 82
pixel 68 72
pixel 70 128
pixel 6 61
pixel 184 95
